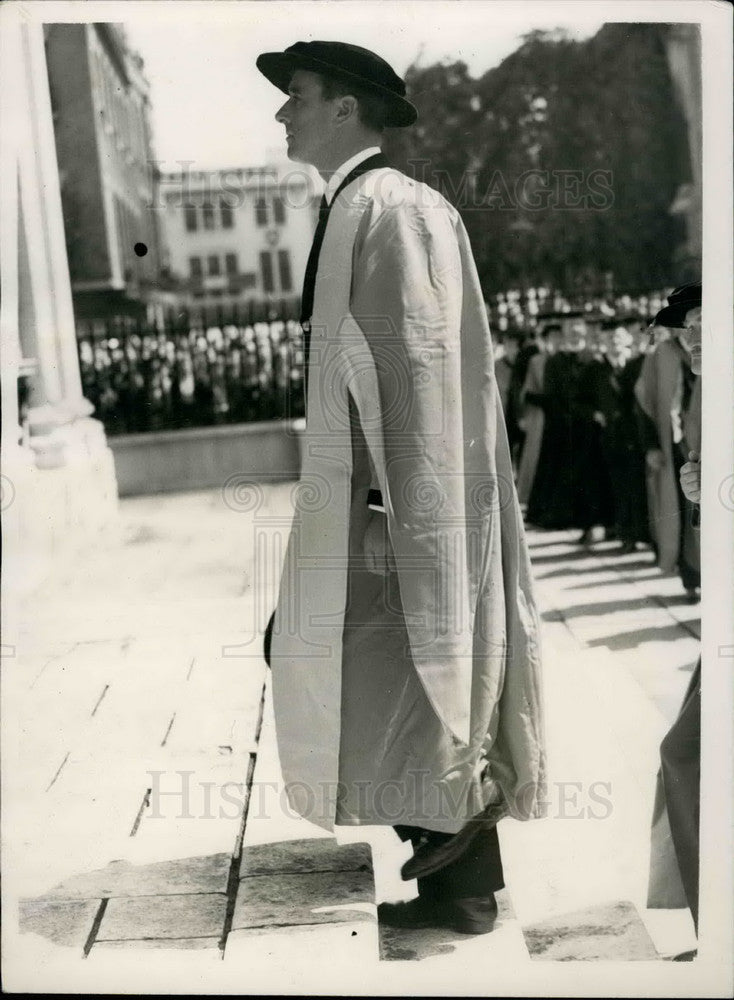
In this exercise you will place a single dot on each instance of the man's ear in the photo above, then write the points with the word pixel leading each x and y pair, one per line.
pixel 347 108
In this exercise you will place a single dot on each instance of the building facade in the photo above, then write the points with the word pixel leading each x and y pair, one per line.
pixel 101 113
pixel 239 235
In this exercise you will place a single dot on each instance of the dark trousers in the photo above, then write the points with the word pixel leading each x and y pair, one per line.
pixel 690 575
pixel 475 873
pixel 680 759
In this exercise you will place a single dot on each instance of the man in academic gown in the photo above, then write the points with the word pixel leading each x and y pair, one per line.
pixel 404 645
pixel 509 386
pixel 615 407
pixel 594 504
pixel 668 392
pixel 554 498
pixel 678 792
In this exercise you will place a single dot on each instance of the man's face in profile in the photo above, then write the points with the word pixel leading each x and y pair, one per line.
pixel 309 119
pixel 690 337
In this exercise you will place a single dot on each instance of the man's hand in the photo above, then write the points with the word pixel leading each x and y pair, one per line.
pixel 600 418
pixel 690 478
pixel 378 554
pixel 655 460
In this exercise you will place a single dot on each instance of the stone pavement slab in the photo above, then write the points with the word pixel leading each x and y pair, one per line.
pixel 208 944
pixel 288 899
pixel 301 949
pixel 606 933
pixel 190 915
pixel 301 857
pixel 208 874
pixel 63 921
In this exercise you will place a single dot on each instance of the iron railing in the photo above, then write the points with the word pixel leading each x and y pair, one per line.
pixel 194 369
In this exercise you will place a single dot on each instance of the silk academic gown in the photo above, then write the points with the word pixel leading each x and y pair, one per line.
pixel 412 698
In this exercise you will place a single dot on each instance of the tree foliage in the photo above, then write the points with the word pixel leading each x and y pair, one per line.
pixel 563 160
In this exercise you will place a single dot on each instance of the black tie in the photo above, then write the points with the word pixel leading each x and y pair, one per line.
pixel 309 280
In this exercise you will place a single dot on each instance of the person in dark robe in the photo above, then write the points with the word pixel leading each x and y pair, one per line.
pixel 504 370
pixel 593 497
pixel 678 792
pixel 552 503
pixel 625 458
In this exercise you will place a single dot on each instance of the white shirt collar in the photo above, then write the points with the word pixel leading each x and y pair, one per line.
pixel 338 176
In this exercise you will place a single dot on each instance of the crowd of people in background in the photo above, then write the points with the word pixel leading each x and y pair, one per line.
pixel 601 412
pixel 168 378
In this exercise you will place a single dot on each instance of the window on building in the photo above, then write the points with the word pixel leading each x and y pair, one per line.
pixel 266 270
pixel 195 268
pixel 190 213
pixel 248 280
pixel 227 215
pixel 120 227
pixel 279 211
pixel 214 266
pixel 230 263
pixel 261 212
pixel 207 211
pixel 284 268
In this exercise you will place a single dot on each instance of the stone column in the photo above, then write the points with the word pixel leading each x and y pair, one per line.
pixel 60 468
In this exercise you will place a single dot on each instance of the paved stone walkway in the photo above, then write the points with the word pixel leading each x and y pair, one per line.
pixel 143 806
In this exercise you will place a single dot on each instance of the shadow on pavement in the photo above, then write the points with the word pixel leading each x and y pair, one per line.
pixel 629 640
pixel 571 556
pixel 600 608
pixel 628 567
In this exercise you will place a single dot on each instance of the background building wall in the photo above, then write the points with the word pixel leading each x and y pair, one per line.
pixel 107 166
pixel 251 216
pixel 82 196
pixel 683 47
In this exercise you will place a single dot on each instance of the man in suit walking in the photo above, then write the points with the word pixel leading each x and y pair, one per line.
pixel 404 645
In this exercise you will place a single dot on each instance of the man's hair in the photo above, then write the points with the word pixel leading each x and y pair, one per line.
pixel 551 328
pixel 371 108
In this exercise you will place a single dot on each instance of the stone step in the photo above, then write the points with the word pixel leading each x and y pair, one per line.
pixel 310 896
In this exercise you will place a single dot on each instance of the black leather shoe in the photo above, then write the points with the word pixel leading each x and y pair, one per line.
pixel 466 916
pixel 474 916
